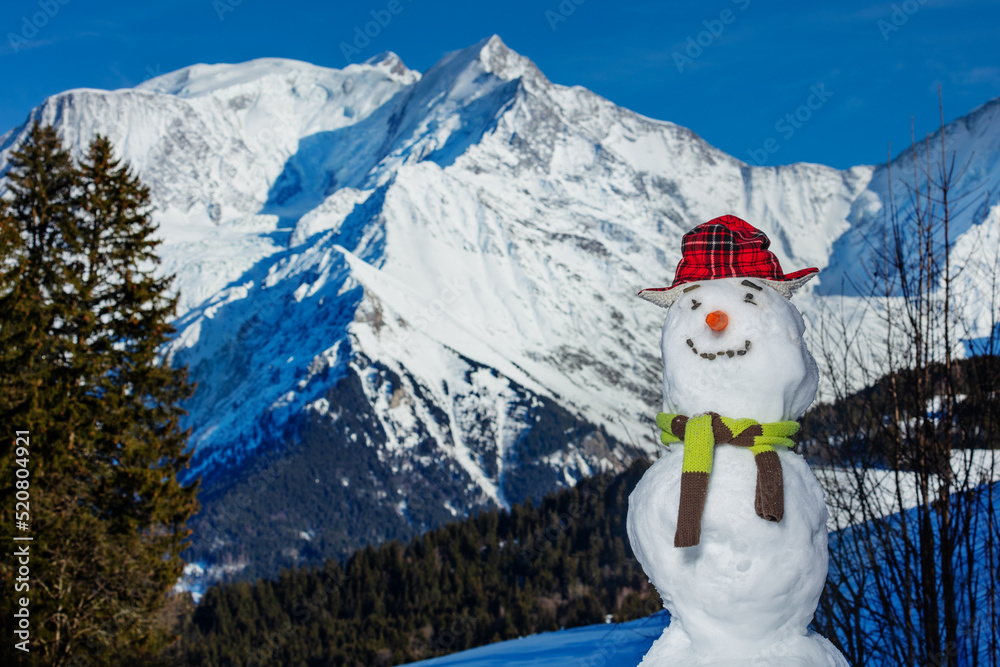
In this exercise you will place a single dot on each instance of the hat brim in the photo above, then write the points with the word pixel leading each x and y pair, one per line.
pixel 665 297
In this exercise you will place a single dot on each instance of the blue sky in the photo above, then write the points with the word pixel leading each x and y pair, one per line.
pixel 737 72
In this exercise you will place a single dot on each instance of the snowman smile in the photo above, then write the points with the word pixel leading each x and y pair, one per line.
pixel 721 353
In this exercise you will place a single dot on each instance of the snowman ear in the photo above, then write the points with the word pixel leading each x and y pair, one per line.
pixel 664 298
pixel 788 287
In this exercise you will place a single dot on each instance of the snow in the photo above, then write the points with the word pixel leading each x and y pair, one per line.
pixel 892 547
pixel 589 646
pixel 198 576
pixel 746 593
pixel 750 589
pixel 888 492
pixel 758 366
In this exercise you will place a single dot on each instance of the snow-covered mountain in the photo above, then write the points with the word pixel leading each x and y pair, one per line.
pixel 405 296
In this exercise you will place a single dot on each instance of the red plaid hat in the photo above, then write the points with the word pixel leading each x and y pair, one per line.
pixel 727 247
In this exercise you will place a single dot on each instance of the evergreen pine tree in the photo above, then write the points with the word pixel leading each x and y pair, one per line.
pixel 79 255
pixel 34 212
pixel 32 217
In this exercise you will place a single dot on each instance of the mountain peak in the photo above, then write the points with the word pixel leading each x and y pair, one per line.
pixel 504 61
pixel 496 58
pixel 388 61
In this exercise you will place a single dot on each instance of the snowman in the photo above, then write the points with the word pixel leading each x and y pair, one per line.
pixel 730 524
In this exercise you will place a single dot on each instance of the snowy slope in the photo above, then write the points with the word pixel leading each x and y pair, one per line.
pixel 437 271
pixel 591 645
pixel 209 141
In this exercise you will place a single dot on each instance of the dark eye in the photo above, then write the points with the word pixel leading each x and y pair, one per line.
pixel 748 298
pixel 695 304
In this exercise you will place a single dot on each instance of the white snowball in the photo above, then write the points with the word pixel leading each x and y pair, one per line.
pixel 774 380
pixel 746 593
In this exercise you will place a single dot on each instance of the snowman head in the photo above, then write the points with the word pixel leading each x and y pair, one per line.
pixel 732 341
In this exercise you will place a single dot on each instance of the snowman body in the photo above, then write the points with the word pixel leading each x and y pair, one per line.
pixel 745 594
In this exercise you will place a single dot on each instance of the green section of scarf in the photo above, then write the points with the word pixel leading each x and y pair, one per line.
pixel 700 435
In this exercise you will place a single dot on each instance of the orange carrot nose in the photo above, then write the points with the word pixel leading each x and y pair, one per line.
pixel 717 320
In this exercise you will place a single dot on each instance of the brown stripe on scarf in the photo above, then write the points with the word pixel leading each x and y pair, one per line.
pixel 769 498
pixel 694 491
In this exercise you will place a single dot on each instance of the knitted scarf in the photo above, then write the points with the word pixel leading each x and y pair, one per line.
pixel 700 435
